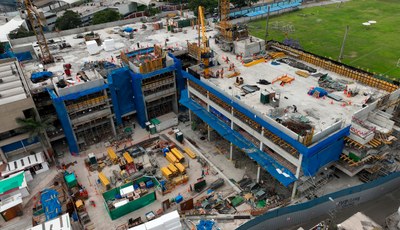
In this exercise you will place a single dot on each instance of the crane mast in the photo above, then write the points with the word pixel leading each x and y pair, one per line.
pixel 205 53
pixel 34 18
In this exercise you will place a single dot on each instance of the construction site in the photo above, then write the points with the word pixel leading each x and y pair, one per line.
pixel 180 122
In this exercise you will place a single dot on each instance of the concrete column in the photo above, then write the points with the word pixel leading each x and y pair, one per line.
pixel 208 100
pixel 261 143
pixel 208 133
pixel 297 176
pixel 113 126
pixel 231 151
pixel 3 157
pixel 258 173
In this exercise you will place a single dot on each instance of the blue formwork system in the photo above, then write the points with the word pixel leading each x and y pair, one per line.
pixel 63 116
pixel 119 84
pixel 314 156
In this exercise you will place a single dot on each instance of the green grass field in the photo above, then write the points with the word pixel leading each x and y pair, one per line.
pixel 320 30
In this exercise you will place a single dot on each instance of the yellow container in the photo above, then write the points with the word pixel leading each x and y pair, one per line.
pixel 128 158
pixel 181 168
pixel 171 158
pixel 173 169
pixel 166 173
pixel 190 153
pixel 104 180
pixel 178 154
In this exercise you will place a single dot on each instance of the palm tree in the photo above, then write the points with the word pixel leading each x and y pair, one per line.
pixel 37 129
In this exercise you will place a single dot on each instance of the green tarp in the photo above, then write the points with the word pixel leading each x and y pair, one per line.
pixel 11 182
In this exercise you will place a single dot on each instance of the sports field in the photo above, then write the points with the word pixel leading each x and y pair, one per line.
pixel 320 30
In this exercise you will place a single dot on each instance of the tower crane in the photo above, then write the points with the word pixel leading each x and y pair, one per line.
pixel 205 52
pixel 224 23
pixel 35 18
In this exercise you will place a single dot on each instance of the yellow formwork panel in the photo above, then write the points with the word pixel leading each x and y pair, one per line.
pixel 190 153
pixel 112 154
pixel 128 158
pixel 181 168
pixel 170 157
pixel 166 173
pixel 172 168
pixel 177 154
pixel 104 180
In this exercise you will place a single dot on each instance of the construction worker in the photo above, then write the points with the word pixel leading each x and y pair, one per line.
pixel 222 72
pixel 294 109
pixel 217 74
pixel 227 60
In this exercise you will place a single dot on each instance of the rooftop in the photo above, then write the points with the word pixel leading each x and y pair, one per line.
pixel 11 86
pixel 321 113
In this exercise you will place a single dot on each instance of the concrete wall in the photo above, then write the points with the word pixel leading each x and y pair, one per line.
pixel 296 214
pixel 326 132
pixel 88 28
pixel 10 111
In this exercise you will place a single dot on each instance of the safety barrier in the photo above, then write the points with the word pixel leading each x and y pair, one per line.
pixel 296 214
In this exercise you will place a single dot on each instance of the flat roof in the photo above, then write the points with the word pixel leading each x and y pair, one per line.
pixel 61 223
pixel 11 87
pixel 321 112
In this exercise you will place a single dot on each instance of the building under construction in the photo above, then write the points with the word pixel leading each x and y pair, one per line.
pixel 295 114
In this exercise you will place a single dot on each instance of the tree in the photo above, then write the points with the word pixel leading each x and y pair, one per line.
pixel 36 129
pixel 2 48
pixel 209 5
pixel 69 20
pixel 243 3
pixel 21 32
pixel 104 16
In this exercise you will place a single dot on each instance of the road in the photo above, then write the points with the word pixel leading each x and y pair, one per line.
pixel 377 209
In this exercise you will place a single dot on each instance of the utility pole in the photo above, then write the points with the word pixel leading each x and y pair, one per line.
pixel 267 26
pixel 343 43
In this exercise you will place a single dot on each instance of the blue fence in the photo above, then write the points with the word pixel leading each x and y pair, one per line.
pixel 259 10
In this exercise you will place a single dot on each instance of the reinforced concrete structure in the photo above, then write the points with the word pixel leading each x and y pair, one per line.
pixel 15 101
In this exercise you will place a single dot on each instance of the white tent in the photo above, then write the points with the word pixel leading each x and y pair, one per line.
pixel 13 24
pixel 143 2
pixel 70 1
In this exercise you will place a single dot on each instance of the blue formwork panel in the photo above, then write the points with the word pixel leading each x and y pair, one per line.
pixel 119 84
pixel 65 122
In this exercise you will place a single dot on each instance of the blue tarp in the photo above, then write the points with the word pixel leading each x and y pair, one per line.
pixel 128 29
pixel 39 76
pixel 51 204
pixel 322 92
pixel 282 174
pixel 205 225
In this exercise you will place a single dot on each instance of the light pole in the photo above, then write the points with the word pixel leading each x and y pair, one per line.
pixel 344 41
